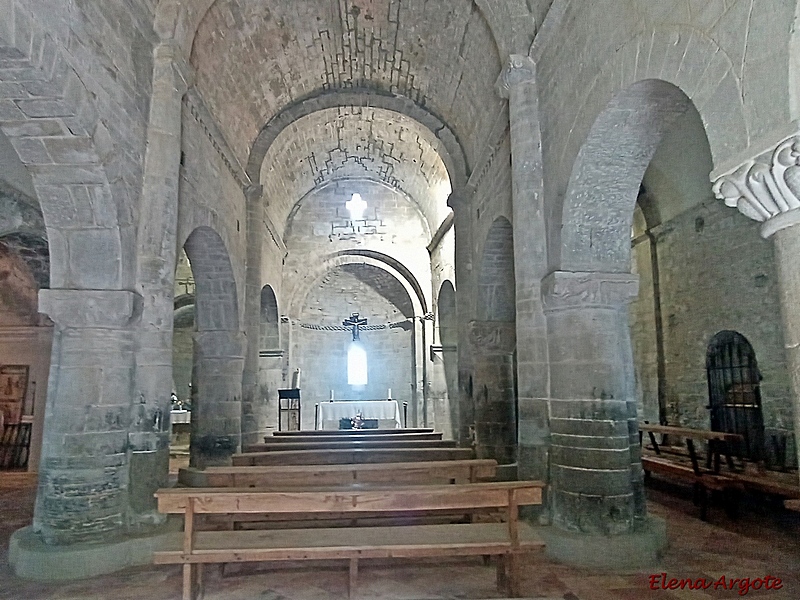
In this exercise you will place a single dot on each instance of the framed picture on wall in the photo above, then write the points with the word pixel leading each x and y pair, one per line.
pixel 13 389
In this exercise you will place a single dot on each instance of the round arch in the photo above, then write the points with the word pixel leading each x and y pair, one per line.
pixel 216 296
pixel 375 259
pixel 604 185
pixel 269 332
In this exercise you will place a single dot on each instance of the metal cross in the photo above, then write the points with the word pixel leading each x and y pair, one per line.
pixel 356 324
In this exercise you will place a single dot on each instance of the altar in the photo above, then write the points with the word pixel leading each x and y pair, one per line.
pixel 387 412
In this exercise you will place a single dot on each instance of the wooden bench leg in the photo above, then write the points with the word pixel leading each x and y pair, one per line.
pixel 188 581
pixel 502 576
pixel 352 586
pixel 514 575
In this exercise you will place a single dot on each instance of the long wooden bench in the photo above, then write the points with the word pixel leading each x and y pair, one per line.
pixel 349 444
pixel 339 457
pixel 703 482
pixel 507 540
pixel 351 437
pixel 431 472
pixel 335 432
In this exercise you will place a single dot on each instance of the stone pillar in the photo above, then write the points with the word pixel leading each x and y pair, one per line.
pixel 254 409
pixel 157 246
pixel 216 397
pixel 462 408
pixel 83 493
pixel 596 481
pixel 493 344
pixel 517 83
pixel 766 188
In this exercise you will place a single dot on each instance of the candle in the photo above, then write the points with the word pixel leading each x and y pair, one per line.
pixel 331 396
pixel 389 393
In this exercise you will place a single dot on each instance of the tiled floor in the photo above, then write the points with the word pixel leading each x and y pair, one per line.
pixel 765 541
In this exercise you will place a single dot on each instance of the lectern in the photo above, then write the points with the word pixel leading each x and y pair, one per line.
pixel 289 409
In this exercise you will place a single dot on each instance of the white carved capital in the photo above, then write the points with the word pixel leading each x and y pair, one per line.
pixel 766 188
pixel 519 70
pixel 565 290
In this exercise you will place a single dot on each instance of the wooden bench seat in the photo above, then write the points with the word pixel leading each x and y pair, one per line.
pixel 702 480
pixel 338 456
pixel 337 432
pixel 409 473
pixel 351 437
pixel 505 540
pixel 382 442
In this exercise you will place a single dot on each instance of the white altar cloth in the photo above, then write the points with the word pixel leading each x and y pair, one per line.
pixel 386 411
pixel 180 416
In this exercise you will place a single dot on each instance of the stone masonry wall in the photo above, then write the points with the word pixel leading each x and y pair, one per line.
pixel 322 355
pixel 717 273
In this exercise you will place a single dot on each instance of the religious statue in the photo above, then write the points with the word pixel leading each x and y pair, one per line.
pixel 357 422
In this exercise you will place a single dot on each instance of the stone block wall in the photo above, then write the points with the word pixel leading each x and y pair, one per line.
pixel 717 273
pixel 322 354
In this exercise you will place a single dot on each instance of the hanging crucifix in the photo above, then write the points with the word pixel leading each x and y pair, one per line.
pixel 356 324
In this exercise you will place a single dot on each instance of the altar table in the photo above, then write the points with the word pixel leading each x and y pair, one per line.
pixel 386 411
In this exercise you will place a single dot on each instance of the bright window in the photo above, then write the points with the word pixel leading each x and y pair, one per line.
pixel 356 206
pixel 356 365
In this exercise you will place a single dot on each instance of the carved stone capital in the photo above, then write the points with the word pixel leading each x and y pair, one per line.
pixel 253 192
pixel 493 336
pixel 171 67
pixel 564 290
pixel 766 188
pixel 90 309
pixel 520 70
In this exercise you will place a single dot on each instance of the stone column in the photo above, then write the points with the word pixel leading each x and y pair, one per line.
pixel 463 407
pixel 83 493
pixel 493 344
pixel 517 83
pixel 596 481
pixel 766 188
pixel 216 397
pixel 254 410
pixel 157 246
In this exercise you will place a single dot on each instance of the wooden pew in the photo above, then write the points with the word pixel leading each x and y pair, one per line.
pixel 351 437
pixel 382 442
pixel 718 442
pixel 336 432
pixel 507 541
pixel 432 472
pixel 340 457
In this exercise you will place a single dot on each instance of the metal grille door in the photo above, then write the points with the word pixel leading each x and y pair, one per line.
pixel 734 392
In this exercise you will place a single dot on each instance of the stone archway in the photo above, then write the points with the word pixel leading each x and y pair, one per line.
pixel 493 340
pixel 597 483
pixel 218 352
pixel 263 411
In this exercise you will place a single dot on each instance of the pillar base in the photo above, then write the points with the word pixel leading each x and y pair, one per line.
pixel 640 549
pixel 32 559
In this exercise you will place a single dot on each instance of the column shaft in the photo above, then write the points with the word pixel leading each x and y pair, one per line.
pixel 157 243
pixel 85 465
pixel 595 478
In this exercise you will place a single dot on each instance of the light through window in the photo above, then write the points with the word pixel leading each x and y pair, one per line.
pixel 356 365
pixel 356 206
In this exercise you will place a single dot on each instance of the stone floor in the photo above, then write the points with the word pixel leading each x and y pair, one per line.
pixel 764 541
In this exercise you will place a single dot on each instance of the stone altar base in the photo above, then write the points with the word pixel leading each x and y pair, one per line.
pixel 34 560
pixel 641 549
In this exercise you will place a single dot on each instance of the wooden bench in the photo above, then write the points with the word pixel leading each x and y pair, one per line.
pixel 351 437
pixel 348 444
pixel 703 482
pixel 507 540
pixel 432 472
pixel 339 457
pixel 719 442
pixel 335 432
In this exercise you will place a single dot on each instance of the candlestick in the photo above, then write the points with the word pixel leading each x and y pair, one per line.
pixel 331 400
pixel 389 393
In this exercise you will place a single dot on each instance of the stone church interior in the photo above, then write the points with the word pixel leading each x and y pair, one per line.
pixel 399 299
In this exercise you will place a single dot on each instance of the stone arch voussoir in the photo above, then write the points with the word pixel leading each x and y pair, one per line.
pixel 49 118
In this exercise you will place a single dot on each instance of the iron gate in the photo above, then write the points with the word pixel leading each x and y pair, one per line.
pixel 734 392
